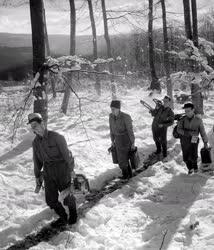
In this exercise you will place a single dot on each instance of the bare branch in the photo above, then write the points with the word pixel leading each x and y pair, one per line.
pixel 118 17
pixel 80 108
pixel 163 239
pixel 126 11
pixel 95 72
pixel 172 12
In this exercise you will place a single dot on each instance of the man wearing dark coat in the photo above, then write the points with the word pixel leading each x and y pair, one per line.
pixel 122 136
pixel 163 118
pixel 51 153
pixel 189 128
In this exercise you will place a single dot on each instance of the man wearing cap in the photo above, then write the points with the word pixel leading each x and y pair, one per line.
pixel 189 128
pixel 122 136
pixel 163 118
pixel 51 153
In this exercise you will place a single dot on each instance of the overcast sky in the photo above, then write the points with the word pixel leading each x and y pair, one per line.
pixel 17 19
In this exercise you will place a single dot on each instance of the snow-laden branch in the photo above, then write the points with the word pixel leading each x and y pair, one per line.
pixel 75 63
pixel 198 55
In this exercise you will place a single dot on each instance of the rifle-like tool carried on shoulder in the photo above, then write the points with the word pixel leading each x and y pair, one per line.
pixel 145 104
pixel 156 101
pixel 179 116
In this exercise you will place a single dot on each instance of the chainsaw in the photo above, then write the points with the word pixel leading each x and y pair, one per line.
pixel 79 184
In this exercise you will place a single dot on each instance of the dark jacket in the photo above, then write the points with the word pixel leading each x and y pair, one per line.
pixel 121 130
pixel 194 126
pixel 162 115
pixel 49 149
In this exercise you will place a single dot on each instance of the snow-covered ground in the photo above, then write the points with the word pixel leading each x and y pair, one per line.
pixel 152 211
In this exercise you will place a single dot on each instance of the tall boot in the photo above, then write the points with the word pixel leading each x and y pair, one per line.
pixel 125 172
pixel 70 201
pixel 158 146
pixel 195 166
pixel 130 173
pixel 164 147
pixel 59 209
pixel 189 166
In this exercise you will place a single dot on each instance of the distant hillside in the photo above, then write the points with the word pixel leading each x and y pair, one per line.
pixel 15 62
pixel 59 44
pixel 16 52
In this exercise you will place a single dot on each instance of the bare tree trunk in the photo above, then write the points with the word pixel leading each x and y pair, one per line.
pixel 108 44
pixel 187 19
pixel 66 97
pixel 38 43
pixel 67 93
pixel 155 84
pixel 48 51
pixel 72 28
pixel 53 85
pixel 197 98
pixel 192 34
pixel 93 27
pixel 166 52
pixel 94 33
pixel 194 23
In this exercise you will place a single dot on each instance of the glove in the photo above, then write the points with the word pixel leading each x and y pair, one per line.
pixel 39 181
pixel 110 148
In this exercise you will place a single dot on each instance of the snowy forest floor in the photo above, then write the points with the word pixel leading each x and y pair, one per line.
pixel 151 211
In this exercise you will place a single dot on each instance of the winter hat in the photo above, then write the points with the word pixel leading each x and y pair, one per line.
pixel 188 105
pixel 115 104
pixel 34 117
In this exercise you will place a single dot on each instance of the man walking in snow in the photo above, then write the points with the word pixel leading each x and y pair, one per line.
pixel 163 118
pixel 51 153
pixel 122 136
pixel 189 128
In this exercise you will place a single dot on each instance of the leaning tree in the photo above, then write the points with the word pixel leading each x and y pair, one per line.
pixel 38 44
pixel 166 52
pixel 72 52
pixel 108 45
pixel 155 84
pixel 94 35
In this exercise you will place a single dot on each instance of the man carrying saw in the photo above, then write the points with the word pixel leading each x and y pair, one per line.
pixel 50 153
pixel 163 118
